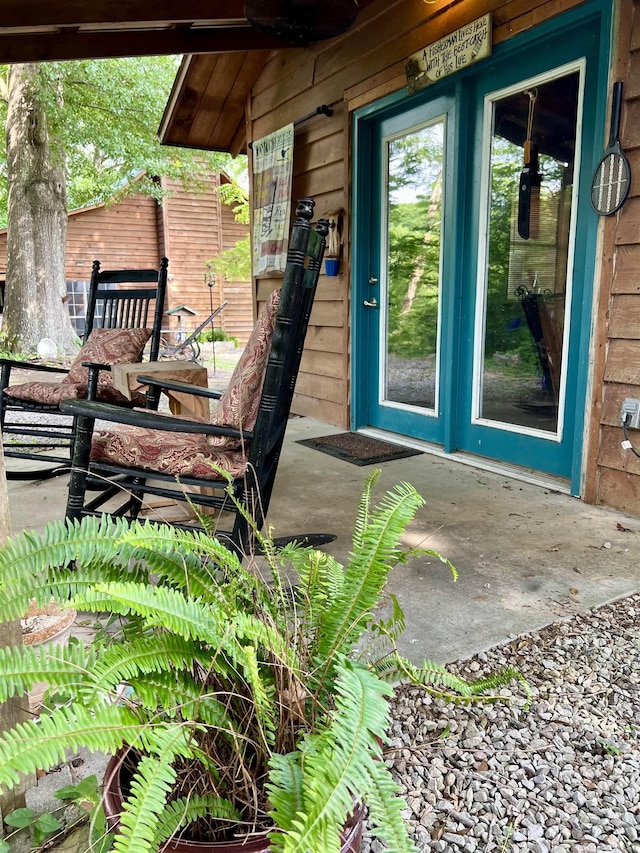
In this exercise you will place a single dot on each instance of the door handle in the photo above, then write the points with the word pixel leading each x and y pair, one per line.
pixel 370 303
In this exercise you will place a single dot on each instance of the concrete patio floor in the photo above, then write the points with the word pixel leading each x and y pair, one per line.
pixel 527 555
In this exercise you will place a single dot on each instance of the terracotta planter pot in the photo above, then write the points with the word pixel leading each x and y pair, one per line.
pixel 40 626
pixel 112 798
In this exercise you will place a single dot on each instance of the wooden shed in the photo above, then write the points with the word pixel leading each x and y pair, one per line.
pixel 483 309
pixel 190 228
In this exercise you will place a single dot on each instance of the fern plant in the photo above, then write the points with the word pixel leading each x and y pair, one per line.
pixel 235 688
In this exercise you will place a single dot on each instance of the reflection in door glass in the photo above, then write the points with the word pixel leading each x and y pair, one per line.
pixel 532 172
pixel 414 227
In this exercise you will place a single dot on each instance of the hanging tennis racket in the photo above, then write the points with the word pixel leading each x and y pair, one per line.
pixel 612 180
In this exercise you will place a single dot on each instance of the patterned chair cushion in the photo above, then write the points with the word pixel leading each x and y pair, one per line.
pixel 238 406
pixel 105 346
pixel 47 393
pixel 188 454
pixel 178 454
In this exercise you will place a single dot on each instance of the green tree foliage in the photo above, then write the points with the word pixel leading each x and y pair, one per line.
pixel 413 333
pixel 414 232
pixel 103 118
pixel 234 264
pixel 96 141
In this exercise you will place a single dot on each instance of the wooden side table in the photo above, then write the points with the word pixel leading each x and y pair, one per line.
pixel 125 380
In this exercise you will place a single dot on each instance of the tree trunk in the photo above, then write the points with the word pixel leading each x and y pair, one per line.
pixel 37 223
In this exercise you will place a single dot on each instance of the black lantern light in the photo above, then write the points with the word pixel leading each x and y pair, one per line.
pixel 301 22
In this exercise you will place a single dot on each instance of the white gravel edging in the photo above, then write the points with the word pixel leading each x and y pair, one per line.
pixel 561 775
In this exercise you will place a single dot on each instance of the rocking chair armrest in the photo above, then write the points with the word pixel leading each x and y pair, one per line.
pixel 96 365
pixel 26 365
pixel 175 385
pixel 148 419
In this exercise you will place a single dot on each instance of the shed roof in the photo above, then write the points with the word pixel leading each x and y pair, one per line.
pixel 206 107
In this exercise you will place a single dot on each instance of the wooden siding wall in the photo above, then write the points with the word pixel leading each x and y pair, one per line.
pixel 194 234
pixel 366 63
pixel 119 236
pixel 617 471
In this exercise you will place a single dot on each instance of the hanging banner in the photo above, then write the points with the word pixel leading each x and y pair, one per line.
pixel 272 174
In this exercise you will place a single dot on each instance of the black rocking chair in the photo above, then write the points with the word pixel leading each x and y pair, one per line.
pixel 144 452
pixel 124 311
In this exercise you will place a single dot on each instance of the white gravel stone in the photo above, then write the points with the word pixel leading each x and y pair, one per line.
pixel 561 776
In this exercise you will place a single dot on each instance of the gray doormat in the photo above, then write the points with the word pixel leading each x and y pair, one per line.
pixel 358 449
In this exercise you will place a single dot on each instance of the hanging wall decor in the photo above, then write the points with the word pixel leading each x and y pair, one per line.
pixel 612 179
pixel 301 22
pixel 530 179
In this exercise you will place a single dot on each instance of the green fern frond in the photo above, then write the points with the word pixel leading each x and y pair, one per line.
pixel 261 695
pixel 139 827
pixel 185 810
pixel 285 787
pixel 364 508
pixel 158 606
pixel 42 744
pixel 367 571
pixel 393 627
pixel 68 559
pixel 178 695
pixel 320 577
pixel 337 763
pixel 156 652
pixel 256 632
pixel 34 566
pixel 385 810
pixel 437 679
pixel 429 552
pixel 23 666
pixel 192 551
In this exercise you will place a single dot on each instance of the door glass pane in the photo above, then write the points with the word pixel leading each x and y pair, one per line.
pixel 533 147
pixel 413 247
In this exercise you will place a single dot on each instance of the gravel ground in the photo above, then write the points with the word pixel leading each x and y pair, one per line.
pixel 562 774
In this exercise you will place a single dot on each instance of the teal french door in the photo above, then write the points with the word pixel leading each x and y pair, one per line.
pixel 474 250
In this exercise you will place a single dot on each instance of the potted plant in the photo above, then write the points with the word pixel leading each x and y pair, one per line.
pixel 48 624
pixel 232 693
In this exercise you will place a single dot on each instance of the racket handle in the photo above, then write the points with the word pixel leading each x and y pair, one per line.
pixel 616 112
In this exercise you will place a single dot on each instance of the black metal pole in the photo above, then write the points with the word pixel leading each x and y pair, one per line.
pixel 211 281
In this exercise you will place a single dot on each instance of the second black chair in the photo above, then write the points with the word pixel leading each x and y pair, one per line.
pixel 123 314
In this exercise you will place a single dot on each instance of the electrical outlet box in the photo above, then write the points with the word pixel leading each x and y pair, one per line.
pixel 630 413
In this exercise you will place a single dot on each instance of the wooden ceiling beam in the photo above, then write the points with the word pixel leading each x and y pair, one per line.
pixel 71 44
pixel 33 14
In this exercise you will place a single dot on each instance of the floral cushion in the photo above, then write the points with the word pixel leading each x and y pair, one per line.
pixel 178 454
pixel 108 346
pixel 105 346
pixel 47 393
pixel 238 406
pixel 188 454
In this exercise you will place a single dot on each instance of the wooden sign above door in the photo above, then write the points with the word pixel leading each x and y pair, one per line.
pixel 455 51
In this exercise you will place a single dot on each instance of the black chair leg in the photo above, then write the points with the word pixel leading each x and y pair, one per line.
pixel 79 467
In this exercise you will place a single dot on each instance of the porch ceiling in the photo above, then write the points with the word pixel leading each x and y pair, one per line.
pixel 223 54
pixel 45 30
